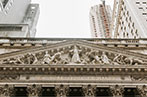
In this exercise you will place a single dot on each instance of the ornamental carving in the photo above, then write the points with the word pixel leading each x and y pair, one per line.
pixel 61 90
pixel 9 77
pixel 117 90
pixel 74 54
pixel 34 90
pixel 6 91
pixel 89 91
pixel 138 78
pixel 142 90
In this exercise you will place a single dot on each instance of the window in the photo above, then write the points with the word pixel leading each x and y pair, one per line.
pixel 133 25
pixel 122 22
pixel 129 25
pixel 10 28
pixel 128 13
pixel 130 19
pixel 144 3
pixel 127 34
pixel 124 28
pixel 144 13
pixel 4 2
pixel 140 7
pixel 127 19
pixel 136 32
pixel 137 2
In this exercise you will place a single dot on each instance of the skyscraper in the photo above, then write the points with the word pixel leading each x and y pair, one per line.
pixel 18 18
pixel 129 19
pixel 100 19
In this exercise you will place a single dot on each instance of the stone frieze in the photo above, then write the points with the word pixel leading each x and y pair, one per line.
pixel 73 54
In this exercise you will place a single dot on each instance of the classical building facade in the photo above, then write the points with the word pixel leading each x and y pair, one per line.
pixel 100 20
pixel 129 19
pixel 39 67
pixel 18 18
pixel 32 67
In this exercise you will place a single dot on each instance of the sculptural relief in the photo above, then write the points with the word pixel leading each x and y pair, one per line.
pixel 72 55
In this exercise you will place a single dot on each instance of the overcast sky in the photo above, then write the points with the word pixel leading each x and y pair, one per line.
pixel 65 18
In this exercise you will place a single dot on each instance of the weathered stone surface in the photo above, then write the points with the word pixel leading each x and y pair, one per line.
pixel 74 53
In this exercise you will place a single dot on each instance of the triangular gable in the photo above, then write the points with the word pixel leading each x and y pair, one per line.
pixel 73 52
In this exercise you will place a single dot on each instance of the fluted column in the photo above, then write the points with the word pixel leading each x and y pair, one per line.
pixel 61 90
pixel 34 90
pixel 117 91
pixel 142 90
pixel 89 90
pixel 6 91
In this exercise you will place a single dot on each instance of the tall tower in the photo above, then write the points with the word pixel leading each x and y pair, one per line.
pixel 100 19
pixel 18 18
pixel 129 19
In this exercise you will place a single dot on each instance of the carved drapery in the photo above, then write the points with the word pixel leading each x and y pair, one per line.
pixel 34 90
pixel 61 90
pixel 117 91
pixel 6 91
pixel 142 90
pixel 89 90
pixel 71 55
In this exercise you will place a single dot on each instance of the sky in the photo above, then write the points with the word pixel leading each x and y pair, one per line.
pixel 65 18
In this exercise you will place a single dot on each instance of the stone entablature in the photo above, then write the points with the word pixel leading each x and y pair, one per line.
pixel 76 62
pixel 74 74
pixel 8 45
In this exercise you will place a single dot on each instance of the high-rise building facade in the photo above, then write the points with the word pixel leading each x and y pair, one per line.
pixel 18 18
pixel 129 19
pixel 100 19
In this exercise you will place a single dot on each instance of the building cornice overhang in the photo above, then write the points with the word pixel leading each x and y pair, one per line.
pixel 75 69
pixel 67 43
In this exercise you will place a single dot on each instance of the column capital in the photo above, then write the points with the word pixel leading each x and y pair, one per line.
pixel 142 89
pixel 34 90
pixel 89 90
pixel 117 90
pixel 6 91
pixel 61 90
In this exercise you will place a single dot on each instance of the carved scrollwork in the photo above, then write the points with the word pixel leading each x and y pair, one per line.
pixel 72 55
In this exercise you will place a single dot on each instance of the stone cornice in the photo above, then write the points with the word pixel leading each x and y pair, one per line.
pixel 75 69
pixel 69 43
pixel 22 43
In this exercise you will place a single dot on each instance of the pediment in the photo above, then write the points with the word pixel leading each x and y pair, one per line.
pixel 73 53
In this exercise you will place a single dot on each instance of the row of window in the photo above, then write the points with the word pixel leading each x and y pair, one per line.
pixel 6 5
